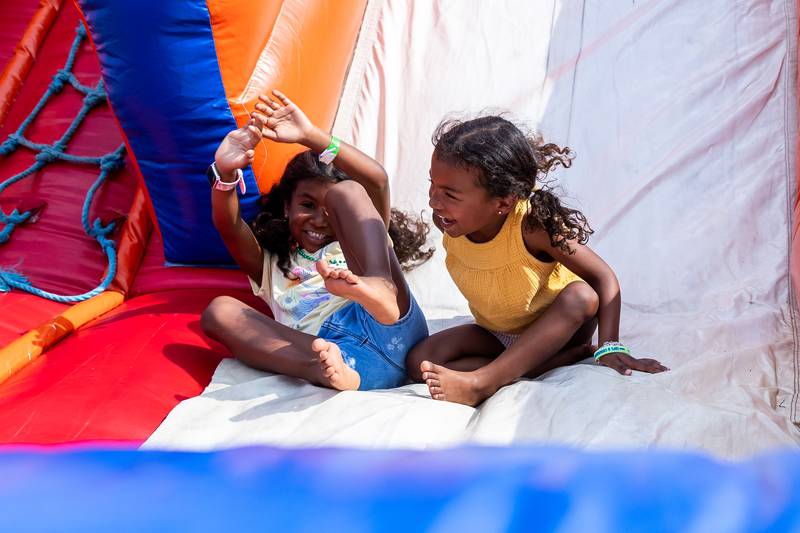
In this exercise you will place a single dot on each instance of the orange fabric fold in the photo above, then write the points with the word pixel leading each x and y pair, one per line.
pixel 17 68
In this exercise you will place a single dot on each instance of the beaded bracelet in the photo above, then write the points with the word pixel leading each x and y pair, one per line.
pixel 329 154
pixel 610 347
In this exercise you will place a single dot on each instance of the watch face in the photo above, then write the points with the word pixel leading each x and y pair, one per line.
pixel 211 175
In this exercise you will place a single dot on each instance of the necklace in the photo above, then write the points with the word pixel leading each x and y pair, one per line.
pixel 333 261
pixel 306 255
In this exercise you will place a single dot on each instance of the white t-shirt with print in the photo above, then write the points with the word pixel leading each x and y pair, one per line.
pixel 301 301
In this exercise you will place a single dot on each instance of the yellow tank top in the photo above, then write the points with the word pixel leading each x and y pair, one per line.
pixel 506 287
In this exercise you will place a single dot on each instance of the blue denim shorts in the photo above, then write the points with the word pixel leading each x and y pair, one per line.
pixel 376 351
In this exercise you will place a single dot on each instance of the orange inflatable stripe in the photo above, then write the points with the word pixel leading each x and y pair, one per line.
pixel 306 55
pixel 20 64
pixel 241 30
pixel 30 346
pixel 133 241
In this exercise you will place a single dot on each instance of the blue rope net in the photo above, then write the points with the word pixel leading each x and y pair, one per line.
pixel 47 153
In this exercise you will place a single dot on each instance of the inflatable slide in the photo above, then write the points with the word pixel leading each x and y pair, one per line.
pixel 683 119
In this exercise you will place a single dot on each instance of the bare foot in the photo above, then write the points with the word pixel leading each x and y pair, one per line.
pixel 453 386
pixel 377 295
pixel 335 374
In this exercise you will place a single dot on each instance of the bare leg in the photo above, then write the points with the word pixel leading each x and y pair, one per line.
pixel 577 349
pixel 470 347
pixel 375 294
pixel 362 235
pixel 261 342
pixel 573 307
pixel 467 347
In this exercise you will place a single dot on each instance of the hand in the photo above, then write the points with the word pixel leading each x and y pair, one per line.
pixel 237 148
pixel 283 122
pixel 626 364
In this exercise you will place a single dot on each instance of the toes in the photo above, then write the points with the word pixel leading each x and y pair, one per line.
pixel 433 383
pixel 323 268
pixel 319 344
pixel 329 372
pixel 436 368
pixel 425 366
pixel 430 376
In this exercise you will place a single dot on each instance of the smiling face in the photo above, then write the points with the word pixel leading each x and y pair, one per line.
pixel 308 221
pixel 461 206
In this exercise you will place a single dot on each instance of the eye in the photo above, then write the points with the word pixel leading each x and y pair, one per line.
pixel 307 205
pixel 450 195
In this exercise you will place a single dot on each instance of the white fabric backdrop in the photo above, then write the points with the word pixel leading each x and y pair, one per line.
pixel 681 114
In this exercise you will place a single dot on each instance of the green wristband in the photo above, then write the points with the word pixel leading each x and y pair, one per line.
pixel 609 348
pixel 329 154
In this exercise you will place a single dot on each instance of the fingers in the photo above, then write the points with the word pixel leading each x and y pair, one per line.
pixel 651 366
pixel 258 120
pixel 264 130
pixel 282 97
pixel 614 361
pixel 269 101
pixel 625 364
pixel 265 110
pixel 253 130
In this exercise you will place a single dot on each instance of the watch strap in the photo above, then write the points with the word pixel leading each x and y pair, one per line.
pixel 216 182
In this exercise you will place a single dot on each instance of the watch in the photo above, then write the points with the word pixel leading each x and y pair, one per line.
pixel 215 180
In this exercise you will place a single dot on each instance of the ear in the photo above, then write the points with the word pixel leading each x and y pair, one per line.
pixel 505 204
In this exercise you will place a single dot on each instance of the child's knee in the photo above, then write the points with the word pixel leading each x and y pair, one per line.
pixel 581 301
pixel 343 193
pixel 214 318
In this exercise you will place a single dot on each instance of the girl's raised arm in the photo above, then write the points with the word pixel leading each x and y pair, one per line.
pixel 285 122
pixel 236 152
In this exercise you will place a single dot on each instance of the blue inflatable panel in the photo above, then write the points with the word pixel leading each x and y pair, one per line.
pixel 463 490
pixel 160 67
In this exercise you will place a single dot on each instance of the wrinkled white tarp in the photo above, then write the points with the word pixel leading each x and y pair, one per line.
pixel 682 116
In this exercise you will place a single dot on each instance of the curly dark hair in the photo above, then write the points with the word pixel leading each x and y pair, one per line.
pixel 271 228
pixel 509 164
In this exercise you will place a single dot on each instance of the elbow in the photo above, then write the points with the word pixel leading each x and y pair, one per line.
pixel 606 286
pixel 381 181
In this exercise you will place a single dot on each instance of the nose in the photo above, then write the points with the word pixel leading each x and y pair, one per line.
pixel 320 218
pixel 433 199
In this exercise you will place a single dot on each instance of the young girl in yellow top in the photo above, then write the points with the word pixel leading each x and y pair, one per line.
pixel 519 258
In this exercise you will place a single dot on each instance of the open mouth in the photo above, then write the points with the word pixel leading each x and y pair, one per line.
pixel 444 222
pixel 316 237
